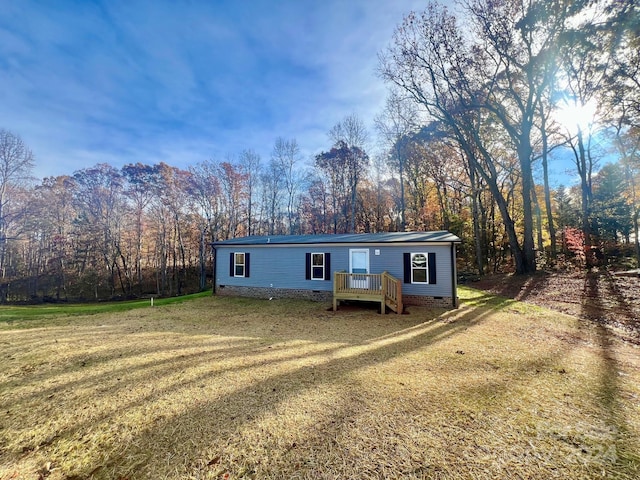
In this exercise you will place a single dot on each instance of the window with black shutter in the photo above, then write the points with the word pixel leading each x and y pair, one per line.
pixel 239 264
pixel 420 268
pixel 317 266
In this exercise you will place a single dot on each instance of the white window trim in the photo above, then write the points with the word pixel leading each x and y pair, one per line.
pixel 236 264
pixel 324 265
pixel 426 267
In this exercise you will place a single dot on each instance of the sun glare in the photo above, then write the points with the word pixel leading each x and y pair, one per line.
pixel 576 116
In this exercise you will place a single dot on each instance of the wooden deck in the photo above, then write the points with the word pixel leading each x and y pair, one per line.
pixel 368 287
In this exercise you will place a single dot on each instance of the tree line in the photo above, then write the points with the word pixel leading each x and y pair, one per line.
pixel 481 101
pixel 105 232
pixel 493 77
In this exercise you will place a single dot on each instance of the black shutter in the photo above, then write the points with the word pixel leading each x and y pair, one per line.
pixel 307 266
pixel 432 268
pixel 327 266
pixel 232 271
pixel 407 267
pixel 246 264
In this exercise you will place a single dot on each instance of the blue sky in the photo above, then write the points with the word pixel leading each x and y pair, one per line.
pixel 84 82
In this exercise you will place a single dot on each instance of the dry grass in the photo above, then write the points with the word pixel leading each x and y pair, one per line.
pixel 233 388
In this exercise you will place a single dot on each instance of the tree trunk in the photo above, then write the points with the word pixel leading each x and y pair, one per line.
pixel 203 260
pixel 547 190
pixel 585 203
pixel 475 194
pixel 491 178
pixel 403 222
pixel 528 247
pixel 538 218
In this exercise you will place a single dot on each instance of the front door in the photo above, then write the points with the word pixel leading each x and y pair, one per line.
pixel 359 267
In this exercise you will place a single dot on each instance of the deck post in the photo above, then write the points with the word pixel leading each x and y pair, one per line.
pixel 335 289
pixel 400 306
pixel 383 301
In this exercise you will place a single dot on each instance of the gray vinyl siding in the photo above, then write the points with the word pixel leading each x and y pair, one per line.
pixel 391 260
pixel 275 267
pixel 283 266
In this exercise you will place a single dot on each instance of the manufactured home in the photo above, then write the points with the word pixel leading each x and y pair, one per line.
pixel 396 269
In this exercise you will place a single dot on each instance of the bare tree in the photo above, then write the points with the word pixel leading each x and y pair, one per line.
pixel 98 201
pixel 234 193
pixel 16 164
pixel 250 166
pixel 396 122
pixel 286 154
pixel 378 205
pixel 53 205
pixel 349 137
pixel 205 192
pixel 173 186
pixel 343 168
pixel 138 189
pixel 271 181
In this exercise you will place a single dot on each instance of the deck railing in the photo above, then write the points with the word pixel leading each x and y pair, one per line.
pixel 383 288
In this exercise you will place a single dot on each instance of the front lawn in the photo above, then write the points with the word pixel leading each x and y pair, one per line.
pixel 240 388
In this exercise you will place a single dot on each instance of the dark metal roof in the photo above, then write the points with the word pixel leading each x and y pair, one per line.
pixel 387 237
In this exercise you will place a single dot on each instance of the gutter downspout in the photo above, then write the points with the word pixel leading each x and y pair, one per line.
pixel 454 277
pixel 215 262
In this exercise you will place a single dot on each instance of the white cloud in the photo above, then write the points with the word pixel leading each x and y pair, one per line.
pixel 147 82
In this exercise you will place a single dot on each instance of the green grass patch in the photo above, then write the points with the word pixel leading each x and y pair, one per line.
pixel 479 298
pixel 17 313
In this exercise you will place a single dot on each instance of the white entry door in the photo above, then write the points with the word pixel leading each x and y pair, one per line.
pixel 359 264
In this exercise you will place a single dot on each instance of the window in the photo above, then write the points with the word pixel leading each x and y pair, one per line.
pixel 317 266
pixel 420 268
pixel 239 264
pixel 238 270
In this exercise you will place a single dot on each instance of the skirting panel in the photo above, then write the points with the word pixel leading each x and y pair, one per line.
pixel 321 296
pixel 442 302
pixel 263 292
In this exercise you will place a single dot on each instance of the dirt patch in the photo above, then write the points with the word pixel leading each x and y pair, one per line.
pixel 599 296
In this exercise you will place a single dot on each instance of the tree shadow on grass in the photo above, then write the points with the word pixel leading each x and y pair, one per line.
pixel 236 333
pixel 317 373
pixel 516 287
pixel 200 436
pixel 609 393
pixel 218 416
pixel 624 312
pixel 224 418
